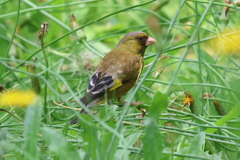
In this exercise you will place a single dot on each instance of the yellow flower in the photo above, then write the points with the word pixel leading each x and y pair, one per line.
pixel 17 98
pixel 229 42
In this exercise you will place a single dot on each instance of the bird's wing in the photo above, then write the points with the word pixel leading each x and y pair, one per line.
pixel 112 73
pixel 100 82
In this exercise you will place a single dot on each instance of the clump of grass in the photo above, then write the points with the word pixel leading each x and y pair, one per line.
pixel 192 34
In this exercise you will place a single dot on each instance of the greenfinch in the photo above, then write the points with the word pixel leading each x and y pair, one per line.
pixel 118 71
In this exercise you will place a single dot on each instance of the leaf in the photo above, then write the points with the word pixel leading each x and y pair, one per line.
pixel 4 41
pixel 207 57
pixel 152 140
pixel 106 140
pixel 31 128
pixel 3 133
pixel 107 112
pixel 58 144
pixel 90 138
pixel 131 140
pixel 159 104
pixel 235 112
pixel 7 147
pixel 196 145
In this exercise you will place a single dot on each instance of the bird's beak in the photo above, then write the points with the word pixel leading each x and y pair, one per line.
pixel 150 41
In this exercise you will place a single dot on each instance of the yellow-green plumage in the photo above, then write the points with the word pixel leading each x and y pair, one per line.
pixel 118 71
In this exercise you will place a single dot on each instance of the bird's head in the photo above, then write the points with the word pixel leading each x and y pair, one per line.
pixel 136 42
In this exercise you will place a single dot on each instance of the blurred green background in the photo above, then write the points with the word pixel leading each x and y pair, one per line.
pixel 197 52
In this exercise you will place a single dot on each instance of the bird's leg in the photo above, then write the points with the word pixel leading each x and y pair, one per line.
pixel 120 100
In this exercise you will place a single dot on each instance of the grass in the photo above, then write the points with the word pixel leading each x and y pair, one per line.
pixel 200 45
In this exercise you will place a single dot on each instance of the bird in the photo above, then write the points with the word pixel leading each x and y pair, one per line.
pixel 118 71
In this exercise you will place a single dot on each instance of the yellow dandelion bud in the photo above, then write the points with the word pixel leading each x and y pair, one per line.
pixel 17 98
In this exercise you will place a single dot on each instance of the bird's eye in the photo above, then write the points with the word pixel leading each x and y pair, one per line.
pixel 140 39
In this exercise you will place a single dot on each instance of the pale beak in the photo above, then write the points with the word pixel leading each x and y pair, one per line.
pixel 150 41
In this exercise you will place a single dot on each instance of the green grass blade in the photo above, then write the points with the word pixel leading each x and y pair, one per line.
pixel 90 138
pixel 105 141
pixel 31 128
pixel 152 140
pixel 58 144
pixel 235 112
pixel 196 145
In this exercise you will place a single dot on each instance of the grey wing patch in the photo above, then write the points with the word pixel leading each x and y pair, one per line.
pixel 98 85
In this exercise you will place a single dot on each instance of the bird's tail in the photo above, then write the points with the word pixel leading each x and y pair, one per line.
pixel 84 101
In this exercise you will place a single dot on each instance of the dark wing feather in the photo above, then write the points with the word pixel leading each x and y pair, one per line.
pixel 97 86
pixel 95 77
